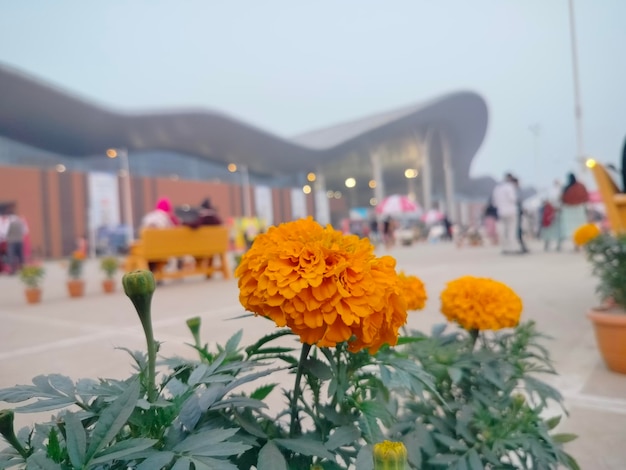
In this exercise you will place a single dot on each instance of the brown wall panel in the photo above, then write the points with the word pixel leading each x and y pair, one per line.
pixel 23 185
pixel 54 214
pixel 80 204
pixel 66 212
pixel 276 206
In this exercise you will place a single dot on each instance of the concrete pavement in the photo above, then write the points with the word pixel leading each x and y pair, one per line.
pixel 77 337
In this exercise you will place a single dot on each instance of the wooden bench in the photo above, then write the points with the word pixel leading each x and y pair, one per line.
pixel 158 246
pixel 614 200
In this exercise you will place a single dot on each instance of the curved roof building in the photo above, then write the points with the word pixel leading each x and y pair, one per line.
pixel 438 138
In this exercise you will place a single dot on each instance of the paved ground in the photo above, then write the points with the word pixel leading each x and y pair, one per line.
pixel 77 337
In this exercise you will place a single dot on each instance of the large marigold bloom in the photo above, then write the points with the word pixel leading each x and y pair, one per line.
pixel 481 304
pixel 413 291
pixel 585 233
pixel 327 287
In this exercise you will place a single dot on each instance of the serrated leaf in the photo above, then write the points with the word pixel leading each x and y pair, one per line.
pixel 318 368
pixel 365 459
pixel 474 461
pixel 452 444
pixel 39 461
pixel 113 418
pixel 195 442
pixel 443 459
pixel 270 458
pixel 306 446
pixel 183 463
pixel 253 349
pixel 262 392
pixel 343 436
pixel 197 374
pixel 122 449
pixel 75 440
pixel 564 437
pixel 46 405
pixel 209 463
pixel 158 460
pixel 62 384
pixel 553 422
pixel 53 448
pixel 233 342
pixel 250 426
pixel 455 374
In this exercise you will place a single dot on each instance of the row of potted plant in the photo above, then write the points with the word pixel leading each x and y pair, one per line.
pixel 32 276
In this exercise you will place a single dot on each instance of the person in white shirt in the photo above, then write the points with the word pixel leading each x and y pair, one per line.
pixel 504 198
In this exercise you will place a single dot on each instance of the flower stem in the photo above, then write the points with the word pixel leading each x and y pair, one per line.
pixel 474 336
pixel 152 350
pixel 6 429
pixel 295 421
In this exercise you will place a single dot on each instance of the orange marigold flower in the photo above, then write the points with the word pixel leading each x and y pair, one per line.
pixel 413 291
pixel 327 287
pixel 585 233
pixel 481 304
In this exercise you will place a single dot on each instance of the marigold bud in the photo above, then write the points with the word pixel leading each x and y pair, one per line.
pixel 139 287
pixel 390 455
pixel 194 325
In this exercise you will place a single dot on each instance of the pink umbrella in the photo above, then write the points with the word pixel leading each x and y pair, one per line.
pixel 397 204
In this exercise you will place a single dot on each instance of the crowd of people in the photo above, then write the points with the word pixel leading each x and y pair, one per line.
pixel 558 217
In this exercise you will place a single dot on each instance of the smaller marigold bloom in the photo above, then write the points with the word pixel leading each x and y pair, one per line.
pixel 325 286
pixel 585 233
pixel 413 291
pixel 481 304
pixel 390 455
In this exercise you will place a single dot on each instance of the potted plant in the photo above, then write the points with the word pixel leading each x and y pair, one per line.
pixel 75 283
pixel 31 276
pixel 109 265
pixel 607 255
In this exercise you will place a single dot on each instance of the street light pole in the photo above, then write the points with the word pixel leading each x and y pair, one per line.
pixel 578 110
pixel 245 184
pixel 122 153
pixel 535 130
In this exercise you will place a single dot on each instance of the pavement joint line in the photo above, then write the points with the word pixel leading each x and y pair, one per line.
pixel 596 402
pixel 52 321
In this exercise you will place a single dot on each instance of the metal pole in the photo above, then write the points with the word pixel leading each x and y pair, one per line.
pixel 245 186
pixel 580 147
pixel 128 200
pixel 448 171
pixel 535 129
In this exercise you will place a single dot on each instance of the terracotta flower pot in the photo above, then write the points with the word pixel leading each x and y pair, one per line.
pixel 108 286
pixel 609 323
pixel 76 287
pixel 33 295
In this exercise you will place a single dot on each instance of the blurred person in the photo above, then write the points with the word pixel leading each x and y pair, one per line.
pixel 504 199
pixel 388 232
pixel 520 216
pixel 161 217
pixel 490 220
pixel 373 234
pixel 15 233
pixel 4 254
pixel 207 215
pixel 574 200
pixel 550 226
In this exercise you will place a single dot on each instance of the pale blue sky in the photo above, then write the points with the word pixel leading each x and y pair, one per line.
pixel 292 66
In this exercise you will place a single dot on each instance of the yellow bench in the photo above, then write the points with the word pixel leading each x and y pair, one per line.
pixel 614 201
pixel 158 246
